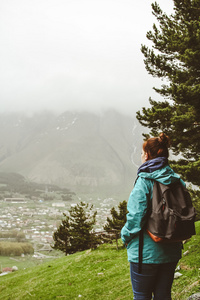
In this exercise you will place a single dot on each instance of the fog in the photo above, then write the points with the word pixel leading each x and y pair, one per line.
pixel 75 54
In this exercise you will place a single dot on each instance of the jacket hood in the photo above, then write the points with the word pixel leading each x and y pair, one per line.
pixel 153 164
pixel 163 174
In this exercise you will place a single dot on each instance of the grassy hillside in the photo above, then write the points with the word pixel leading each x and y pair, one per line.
pixel 99 274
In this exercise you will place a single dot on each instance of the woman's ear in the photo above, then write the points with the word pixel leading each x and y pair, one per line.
pixel 146 157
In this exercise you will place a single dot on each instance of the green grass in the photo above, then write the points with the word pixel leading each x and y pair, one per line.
pixel 99 274
pixel 28 261
pixel 189 282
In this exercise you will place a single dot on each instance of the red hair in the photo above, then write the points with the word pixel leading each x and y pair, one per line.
pixel 157 146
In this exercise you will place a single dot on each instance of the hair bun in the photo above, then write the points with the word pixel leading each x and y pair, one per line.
pixel 164 139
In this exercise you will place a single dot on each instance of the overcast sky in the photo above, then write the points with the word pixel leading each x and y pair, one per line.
pixel 75 54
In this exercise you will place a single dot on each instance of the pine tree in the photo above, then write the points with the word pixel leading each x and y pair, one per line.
pixel 117 220
pixel 75 231
pixel 175 58
pixel 61 236
pixel 82 220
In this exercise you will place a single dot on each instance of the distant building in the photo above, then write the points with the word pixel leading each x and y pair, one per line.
pixel 15 200
pixel 58 204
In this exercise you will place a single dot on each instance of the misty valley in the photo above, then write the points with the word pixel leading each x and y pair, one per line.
pixel 35 220
pixel 49 163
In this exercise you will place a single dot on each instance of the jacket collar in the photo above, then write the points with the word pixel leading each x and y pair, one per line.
pixel 153 164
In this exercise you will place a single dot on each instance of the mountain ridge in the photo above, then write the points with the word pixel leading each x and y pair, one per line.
pixel 80 150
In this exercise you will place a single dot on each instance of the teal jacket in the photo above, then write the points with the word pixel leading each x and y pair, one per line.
pixel 138 204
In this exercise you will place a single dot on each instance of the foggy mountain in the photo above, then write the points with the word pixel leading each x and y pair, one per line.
pixel 84 152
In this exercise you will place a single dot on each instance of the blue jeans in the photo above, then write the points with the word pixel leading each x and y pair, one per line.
pixel 155 279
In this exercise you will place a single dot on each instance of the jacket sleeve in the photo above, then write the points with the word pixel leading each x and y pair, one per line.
pixel 137 207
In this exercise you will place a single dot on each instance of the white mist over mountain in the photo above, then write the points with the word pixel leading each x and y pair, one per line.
pixel 84 152
pixel 75 55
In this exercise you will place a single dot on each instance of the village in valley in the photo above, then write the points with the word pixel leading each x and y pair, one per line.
pixel 37 220
pixel 32 212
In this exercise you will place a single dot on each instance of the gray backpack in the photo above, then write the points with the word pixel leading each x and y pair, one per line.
pixel 172 217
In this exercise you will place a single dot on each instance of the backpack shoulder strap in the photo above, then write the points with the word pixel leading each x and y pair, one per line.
pixel 140 250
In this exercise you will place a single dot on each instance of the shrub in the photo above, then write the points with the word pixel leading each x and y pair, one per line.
pixel 15 249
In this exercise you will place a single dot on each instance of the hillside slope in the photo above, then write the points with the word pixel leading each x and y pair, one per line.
pixel 99 274
pixel 81 151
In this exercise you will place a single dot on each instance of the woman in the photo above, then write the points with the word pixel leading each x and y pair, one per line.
pixel 159 260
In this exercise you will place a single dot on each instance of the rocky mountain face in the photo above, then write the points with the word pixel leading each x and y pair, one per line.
pixel 84 152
